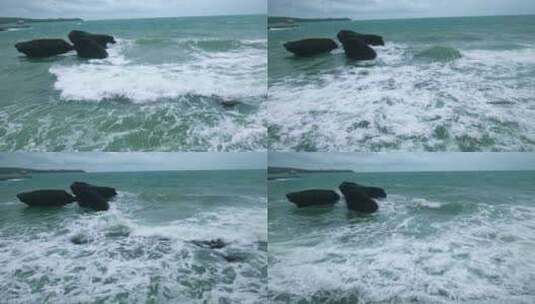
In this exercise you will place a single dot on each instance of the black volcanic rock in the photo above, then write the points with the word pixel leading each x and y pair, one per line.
pixel 88 197
pixel 373 192
pixel 356 49
pixel 101 39
pixel 356 199
pixel 46 198
pixel 89 49
pixel 314 197
pixel 310 47
pixel 369 39
pixel 105 192
pixel 41 48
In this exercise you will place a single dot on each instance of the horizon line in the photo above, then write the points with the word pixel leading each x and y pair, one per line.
pixel 132 18
pixel 149 170
pixel 405 18
pixel 409 171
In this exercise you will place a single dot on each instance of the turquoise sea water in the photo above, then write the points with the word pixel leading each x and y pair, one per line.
pixel 160 90
pixel 442 237
pixel 439 84
pixel 141 250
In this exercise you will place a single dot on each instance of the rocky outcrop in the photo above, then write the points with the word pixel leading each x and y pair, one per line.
pixel 88 197
pixel 105 192
pixel 89 49
pixel 41 48
pixel 46 198
pixel 373 192
pixel 357 49
pixel 310 47
pixel 76 36
pixel 314 197
pixel 357 199
pixel 375 40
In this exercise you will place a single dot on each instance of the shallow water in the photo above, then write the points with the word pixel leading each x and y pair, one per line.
pixel 160 90
pixel 438 238
pixel 141 250
pixel 418 95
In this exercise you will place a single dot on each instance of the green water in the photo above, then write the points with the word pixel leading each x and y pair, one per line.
pixel 443 237
pixel 439 84
pixel 140 251
pixel 160 90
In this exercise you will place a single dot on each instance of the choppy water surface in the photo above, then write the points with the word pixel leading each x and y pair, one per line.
pixel 450 84
pixel 438 238
pixel 141 250
pixel 161 89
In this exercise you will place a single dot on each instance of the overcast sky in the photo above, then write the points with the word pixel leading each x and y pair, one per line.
pixel 100 162
pixel 385 9
pixel 113 9
pixel 397 162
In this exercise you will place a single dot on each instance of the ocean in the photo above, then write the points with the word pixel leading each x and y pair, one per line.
pixel 438 84
pixel 439 237
pixel 141 250
pixel 161 88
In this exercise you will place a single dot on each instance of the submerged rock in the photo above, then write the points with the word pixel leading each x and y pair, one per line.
pixel 80 239
pixel 229 104
pixel 88 197
pixel 105 192
pixel 100 39
pixel 310 47
pixel 369 39
pixel 89 49
pixel 356 199
pixel 46 198
pixel 373 192
pixel 314 197
pixel 357 49
pixel 210 244
pixel 231 258
pixel 41 48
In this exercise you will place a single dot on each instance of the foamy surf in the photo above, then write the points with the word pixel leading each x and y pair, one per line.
pixel 71 255
pixel 228 75
pixel 477 102
pixel 405 254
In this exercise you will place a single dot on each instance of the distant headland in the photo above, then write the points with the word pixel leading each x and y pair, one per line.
pixel 7 173
pixel 18 20
pixel 7 23
pixel 278 22
pixel 289 170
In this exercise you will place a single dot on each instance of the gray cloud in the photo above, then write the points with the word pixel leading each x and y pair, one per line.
pixel 379 9
pixel 102 161
pixel 395 162
pixel 111 9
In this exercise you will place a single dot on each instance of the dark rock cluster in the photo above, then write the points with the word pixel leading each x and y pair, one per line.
pixel 356 46
pixel 358 197
pixel 88 196
pixel 86 45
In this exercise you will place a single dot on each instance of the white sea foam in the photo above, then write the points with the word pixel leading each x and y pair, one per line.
pixel 233 75
pixel 422 202
pixel 479 257
pixel 121 255
pixel 478 102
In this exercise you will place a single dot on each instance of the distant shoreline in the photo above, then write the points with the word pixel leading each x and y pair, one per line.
pixel 10 173
pixel 303 20
pixel 19 20
pixel 288 170
pixel 277 22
